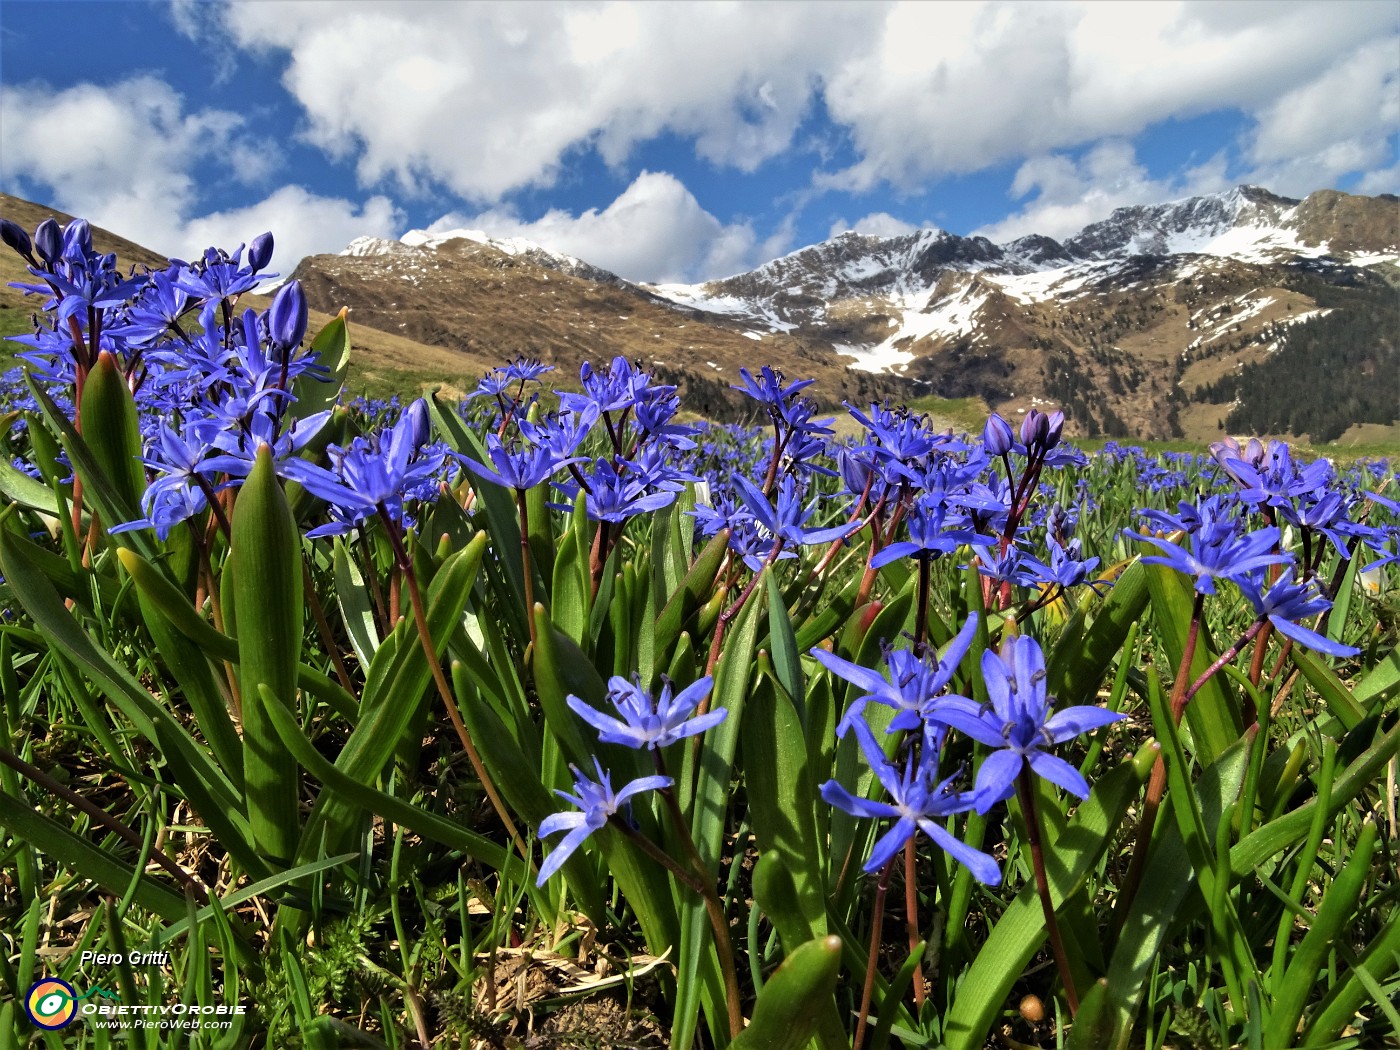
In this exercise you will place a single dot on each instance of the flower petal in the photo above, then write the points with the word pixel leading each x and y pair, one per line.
pixel 997 778
pixel 1058 771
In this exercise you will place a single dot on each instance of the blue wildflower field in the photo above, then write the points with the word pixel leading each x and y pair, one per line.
pixel 557 717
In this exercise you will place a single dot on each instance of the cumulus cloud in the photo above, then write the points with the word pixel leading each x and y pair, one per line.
pixel 654 231
pixel 1336 125
pixel 1066 195
pixel 302 223
pixel 876 224
pixel 126 158
pixel 485 99
pixel 957 88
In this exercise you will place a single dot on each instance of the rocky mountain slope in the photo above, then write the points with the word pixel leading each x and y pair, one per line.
pixel 1179 319
pixel 1131 324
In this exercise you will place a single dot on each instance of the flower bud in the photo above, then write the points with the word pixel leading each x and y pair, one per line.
pixel 416 419
pixel 260 251
pixel 12 233
pixel 1034 429
pixel 997 436
pixel 286 318
pixel 1055 425
pixel 48 240
pixel 77 240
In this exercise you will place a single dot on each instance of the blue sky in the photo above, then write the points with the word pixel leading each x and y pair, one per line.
pixel 677 142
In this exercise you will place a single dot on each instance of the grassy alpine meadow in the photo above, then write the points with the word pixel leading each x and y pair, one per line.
pixel 544 719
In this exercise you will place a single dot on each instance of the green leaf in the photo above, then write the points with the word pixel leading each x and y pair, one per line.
pixel 1279 834
pixel 1334 694
pixel 782 798
pixel 112 431
pixel 1171 878
pixel 19 487
pixel 709 806
pixel 356 609
pixel 569 590
pixel 695 589
pixel 1380 681
pixel 1350 994
pixel 99 491
pixel 789 1007
pixel 1213 715
pixel 1328 928
pixel 268 596
pixel 86 861
pixel 394 689
pixel 352 793
pixel 1080 659
pixel 1020 931
pixel 332 343
pixel 787 662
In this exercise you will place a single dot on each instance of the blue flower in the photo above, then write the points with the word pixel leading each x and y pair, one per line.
pixel 1217 548
pixel 1287 602
pixel 373 473
pixel 1017 722
pixel 648 723
pixel 787 521
pixel 919 800
pixel 914 682
pixel 598 802
pixel 516 467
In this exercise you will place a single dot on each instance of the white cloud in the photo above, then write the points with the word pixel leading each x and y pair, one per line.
pixel 133 172
pixel 654 231
pixel 1065 195
pixel 956 88
pixel 301 222
pixel 1334 126
pixel 486 98
pixel 876 224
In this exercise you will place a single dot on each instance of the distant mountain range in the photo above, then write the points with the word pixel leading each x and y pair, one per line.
pixel 1133 325
pixel 1241 311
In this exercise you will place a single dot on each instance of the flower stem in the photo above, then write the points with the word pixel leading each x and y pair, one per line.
pixel 1025 788
pixel 911 916
pixel 921 618
pixel 525 562
pixel 868 990
pixel 1224 658
pixel 1158 783
pixel 420 617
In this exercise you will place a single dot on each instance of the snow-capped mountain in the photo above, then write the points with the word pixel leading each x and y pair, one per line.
pixel 1127 323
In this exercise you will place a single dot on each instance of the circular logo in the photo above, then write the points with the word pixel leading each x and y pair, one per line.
pixel 51 1004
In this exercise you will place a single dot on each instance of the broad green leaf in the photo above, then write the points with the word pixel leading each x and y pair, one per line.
pixel 112 431
pixel 391 703
pixel 1350 994
pixel 332 345
pixel 1334 694
pixel 271 609
pixel 86 861
pixel 1020 931
pixel 782 797
pixel 1380 681
pixel 1171 878
pixel 695 590
pixel 789 1007
pixel 709 806
pixel 1080 659
pixel 28 492
pixel 352 793
pixel 1213 715
pixel 356 609
pixel 1328 928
